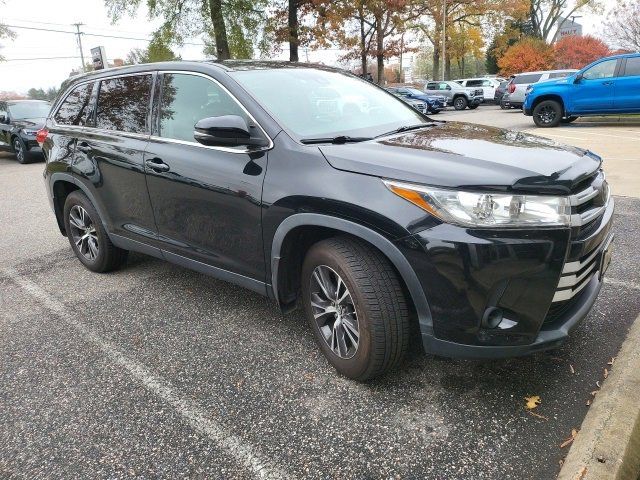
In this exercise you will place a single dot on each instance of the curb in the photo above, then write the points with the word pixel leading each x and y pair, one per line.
pixel 608 445
pixel 618 121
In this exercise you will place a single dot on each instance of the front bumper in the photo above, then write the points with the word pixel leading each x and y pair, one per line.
pixel 465 272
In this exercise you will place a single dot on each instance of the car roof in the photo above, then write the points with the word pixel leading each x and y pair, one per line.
pixel 541 72
pixel 13 102
pixel 225 65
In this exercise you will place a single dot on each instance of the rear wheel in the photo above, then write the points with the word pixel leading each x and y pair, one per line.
pixel 355 306
pixel 87 236
pixel 504 103
pixel 547 114
pixel 460 103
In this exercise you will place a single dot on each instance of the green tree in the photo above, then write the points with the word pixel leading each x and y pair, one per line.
pixel 232 26
pixel 157 51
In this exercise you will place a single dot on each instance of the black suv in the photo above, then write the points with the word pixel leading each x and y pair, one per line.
pixel 20 121
pixel 319 189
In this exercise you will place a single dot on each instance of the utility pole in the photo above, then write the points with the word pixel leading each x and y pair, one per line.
pixel 79 34
pixel 444 37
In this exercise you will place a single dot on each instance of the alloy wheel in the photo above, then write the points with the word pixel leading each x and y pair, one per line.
pixel 17 147
pixel 334 312
pixel 83 232
pixel 546 114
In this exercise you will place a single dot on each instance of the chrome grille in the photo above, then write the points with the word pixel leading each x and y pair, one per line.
pixel 577 275
pixel 587 206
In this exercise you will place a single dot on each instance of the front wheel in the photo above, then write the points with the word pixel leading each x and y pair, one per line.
pixel 20 149
pixel 460 103
pixel 547 114
pixel 355 306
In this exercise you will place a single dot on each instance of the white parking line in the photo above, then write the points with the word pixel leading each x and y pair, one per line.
pixel 622 283
pixel 245 454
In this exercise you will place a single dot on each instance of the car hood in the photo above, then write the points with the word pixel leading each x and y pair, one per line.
pixel 455 155
pixel 31 123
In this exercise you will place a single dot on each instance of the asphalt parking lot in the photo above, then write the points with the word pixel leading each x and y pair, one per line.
pixel 155 371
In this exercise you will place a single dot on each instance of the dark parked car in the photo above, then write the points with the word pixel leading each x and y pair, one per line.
pixel 377 220
pixel 435 103
pixel 20 120
pixel 500 92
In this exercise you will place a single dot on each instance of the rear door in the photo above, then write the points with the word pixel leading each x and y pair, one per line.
pixel 206 199
pixel 595 91
pixel 627 90
pixel 4 128
pixel 110 155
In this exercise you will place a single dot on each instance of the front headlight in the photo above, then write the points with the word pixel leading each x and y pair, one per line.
pixel 486 209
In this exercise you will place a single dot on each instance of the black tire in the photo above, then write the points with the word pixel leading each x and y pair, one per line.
pixel 460 103
pixel 504 104
pixel 382 316
pixel 434 112
pixel 568 120
pixel 547 114
pixel 473 107
pixel 20 149
pixel 108 257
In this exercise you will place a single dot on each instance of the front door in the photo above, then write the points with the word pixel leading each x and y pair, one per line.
pixel 206 200
pixel 595 91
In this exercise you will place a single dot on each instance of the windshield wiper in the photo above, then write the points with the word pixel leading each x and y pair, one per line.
pixel 405 128
pixel 339 140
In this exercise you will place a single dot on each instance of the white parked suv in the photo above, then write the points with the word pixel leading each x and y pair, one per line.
pixel 517 88
pixel 488 85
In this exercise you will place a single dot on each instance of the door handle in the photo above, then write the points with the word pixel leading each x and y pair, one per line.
pixel 83 147
pixel 607 83
pixel 157 165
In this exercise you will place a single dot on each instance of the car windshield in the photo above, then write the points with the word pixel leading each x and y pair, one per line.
pixel 313 103
pixel 24 110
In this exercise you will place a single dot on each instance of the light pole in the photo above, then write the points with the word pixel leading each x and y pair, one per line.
pixel 78 25
pixel 444 37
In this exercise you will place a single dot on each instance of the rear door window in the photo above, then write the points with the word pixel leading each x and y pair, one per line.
pixel 474 83
pixel 526 79
pixel 123 104
pixel 633 67
pixel 75 108
pixel 432 86
pixel 187 99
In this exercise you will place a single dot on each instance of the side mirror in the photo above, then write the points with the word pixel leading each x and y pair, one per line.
pixel 578 78
pixel 3 119
pixel 448 87
pixel 226 130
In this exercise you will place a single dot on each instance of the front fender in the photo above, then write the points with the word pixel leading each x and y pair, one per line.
pixel 388 248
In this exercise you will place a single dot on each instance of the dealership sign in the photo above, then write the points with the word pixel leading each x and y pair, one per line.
pixel 99 58
pixel 569 28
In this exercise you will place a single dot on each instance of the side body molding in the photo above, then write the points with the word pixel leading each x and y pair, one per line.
pixel 381 243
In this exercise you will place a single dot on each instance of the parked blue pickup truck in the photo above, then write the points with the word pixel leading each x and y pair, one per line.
pixel 609 86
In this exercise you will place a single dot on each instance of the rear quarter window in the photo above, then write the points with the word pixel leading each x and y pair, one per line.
pixel 74 110
pixel 526 79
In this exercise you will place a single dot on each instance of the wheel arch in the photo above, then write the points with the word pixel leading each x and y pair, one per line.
pixel 331 226
pixel 62 184
pixel 549 96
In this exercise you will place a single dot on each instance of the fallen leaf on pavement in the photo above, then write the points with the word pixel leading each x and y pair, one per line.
pixel 598 384
pixel 532 402
pixel 539 416
pixel 573 371
pixel 593 394
pixel 606 373
pixel 588 403
pixel 569 440
pixel 613 359
pixel 581 473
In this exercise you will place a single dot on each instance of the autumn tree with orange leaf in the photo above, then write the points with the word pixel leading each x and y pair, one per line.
pixel 528 55
pixel 576 52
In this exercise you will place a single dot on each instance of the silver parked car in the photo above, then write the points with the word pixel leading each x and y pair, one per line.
pixel 456 95
pixel 519 83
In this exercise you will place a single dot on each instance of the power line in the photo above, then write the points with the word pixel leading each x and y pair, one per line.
pixel 36 58
pixel 40 29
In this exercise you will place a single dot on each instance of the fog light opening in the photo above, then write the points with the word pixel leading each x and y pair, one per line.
pixel 492 317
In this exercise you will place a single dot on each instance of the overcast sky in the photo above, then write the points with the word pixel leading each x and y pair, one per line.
pixel 20 75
